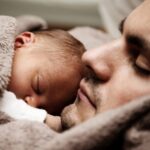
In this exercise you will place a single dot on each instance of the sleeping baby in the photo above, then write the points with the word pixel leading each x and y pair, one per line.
pixel 46 73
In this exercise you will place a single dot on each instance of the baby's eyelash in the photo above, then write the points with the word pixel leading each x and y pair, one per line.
pixel 38 86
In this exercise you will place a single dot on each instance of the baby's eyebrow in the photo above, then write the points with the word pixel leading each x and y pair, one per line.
pixel 121 25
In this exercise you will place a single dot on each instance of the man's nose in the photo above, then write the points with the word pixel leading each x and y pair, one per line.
pixel 101 61
pixel 100 69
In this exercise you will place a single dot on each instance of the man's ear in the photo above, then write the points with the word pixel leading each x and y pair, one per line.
pixel 32 101
pixel 24 39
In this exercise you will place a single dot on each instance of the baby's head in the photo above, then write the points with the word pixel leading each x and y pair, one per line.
pixel 47 69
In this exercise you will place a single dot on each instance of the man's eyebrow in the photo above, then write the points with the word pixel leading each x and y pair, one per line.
pixel 139 42
pixel 121 25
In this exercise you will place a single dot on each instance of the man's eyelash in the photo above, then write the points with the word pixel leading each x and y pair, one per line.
pixel 141 71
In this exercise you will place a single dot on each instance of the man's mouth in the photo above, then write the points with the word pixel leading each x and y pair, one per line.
pixel 83 96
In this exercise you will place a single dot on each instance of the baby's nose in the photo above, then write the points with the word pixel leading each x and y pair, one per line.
pixel 31 100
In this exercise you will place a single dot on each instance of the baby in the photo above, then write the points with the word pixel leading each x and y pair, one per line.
pixel 47 69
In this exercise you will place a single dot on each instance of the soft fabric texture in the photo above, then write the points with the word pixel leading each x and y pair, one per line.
pixel 90 37
pixel 30 23
pixel 7 33
pixel 124 128
pixel 18 109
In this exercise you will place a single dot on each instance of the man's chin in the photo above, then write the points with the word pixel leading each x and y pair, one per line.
pixel 70 116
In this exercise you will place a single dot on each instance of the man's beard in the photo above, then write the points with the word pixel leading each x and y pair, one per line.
pixel 70 115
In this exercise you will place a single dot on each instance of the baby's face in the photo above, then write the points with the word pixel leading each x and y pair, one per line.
pixel 42 83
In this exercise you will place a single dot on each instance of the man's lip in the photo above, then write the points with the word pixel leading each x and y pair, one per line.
pixel 84 97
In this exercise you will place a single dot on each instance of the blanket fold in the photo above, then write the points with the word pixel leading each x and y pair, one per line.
pixel 7 34
pixel 30 23
pixel 102 131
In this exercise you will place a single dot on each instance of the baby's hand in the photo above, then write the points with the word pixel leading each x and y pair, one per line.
pixel 54 122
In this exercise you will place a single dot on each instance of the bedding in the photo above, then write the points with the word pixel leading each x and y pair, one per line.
pixel 124 128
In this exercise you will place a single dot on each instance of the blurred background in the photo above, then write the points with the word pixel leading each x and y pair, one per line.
pixel 58 13
pixel 66 14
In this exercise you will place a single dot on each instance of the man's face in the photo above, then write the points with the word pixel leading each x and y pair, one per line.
pixel 43 82
pixel 118 72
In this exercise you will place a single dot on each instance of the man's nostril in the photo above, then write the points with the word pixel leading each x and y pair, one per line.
pixel 90 74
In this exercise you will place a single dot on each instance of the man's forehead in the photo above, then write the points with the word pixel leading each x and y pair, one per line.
pixel 137 27
pixel 139 17
pixel 142 10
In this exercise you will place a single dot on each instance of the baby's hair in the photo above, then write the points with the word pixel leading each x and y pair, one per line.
pixel 62 39
pixel 61 46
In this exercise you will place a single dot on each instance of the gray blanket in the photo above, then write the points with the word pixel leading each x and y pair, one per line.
pixel 124 128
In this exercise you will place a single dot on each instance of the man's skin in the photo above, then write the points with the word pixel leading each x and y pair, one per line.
pixel 118 72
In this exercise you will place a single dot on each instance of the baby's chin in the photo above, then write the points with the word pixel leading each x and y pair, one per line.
pixel 70 117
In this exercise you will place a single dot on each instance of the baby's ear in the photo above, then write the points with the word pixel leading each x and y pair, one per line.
pixel 24 39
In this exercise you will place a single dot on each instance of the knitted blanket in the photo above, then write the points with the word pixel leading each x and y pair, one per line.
pixel 124 128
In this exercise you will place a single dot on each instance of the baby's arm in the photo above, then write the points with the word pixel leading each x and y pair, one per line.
pixel 18 109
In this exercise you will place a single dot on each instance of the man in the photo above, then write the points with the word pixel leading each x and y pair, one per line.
pixel 117 74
